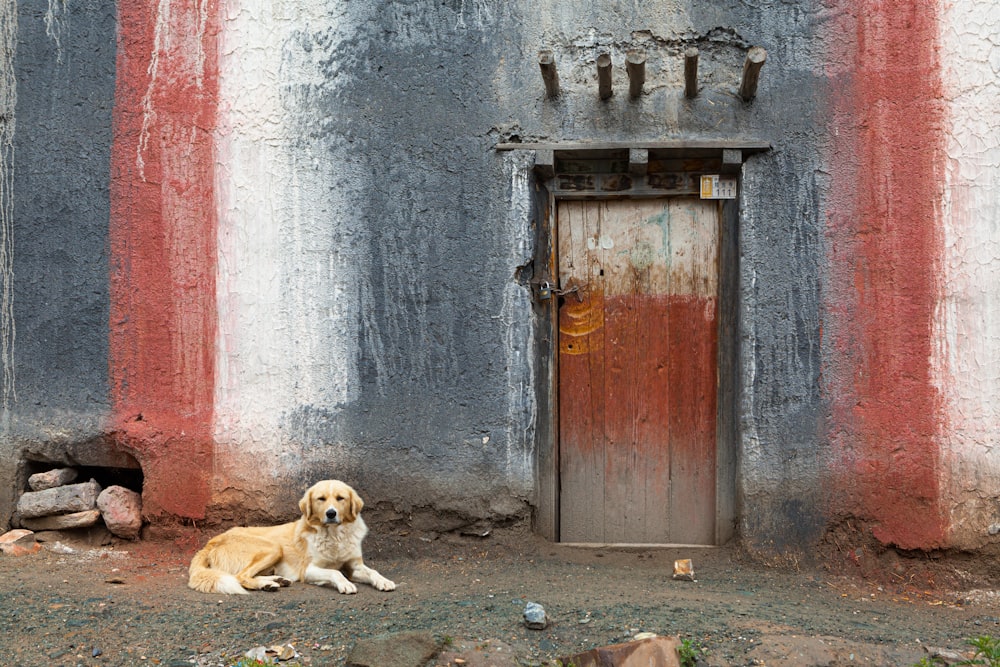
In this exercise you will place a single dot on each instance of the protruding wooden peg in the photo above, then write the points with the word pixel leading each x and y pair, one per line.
pixel 604 76
pixel 691 73
pixel 635 65
pixel 547 64
pixel 751 72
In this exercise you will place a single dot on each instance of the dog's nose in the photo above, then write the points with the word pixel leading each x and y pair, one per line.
pixel 331 514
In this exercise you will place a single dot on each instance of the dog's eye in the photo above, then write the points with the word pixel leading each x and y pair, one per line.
pixel 340 497
pixel 321 499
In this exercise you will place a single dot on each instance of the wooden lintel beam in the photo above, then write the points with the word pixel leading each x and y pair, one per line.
pixel 691 73
pixel 547 64
pixel 751 72
pixel 638 161
pixel 747 146
pixel 604 76
pixel 635 65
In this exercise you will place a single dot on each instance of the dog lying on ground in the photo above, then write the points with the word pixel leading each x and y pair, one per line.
pixel 323 547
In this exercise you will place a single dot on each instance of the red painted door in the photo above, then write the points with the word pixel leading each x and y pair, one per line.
pixel 638 370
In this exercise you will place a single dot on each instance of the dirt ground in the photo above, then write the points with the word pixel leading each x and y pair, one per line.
pixel 127 603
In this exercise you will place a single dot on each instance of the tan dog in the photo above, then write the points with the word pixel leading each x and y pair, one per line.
pixel 323 547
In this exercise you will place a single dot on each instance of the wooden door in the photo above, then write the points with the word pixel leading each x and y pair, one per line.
pixel 638 370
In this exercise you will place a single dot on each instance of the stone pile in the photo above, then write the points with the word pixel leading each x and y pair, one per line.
pixel 56 503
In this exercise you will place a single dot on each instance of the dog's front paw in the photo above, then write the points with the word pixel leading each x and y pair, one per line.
pixel 383 584
pixel 346 587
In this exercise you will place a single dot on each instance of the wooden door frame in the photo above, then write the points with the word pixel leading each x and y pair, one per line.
pixel 547 196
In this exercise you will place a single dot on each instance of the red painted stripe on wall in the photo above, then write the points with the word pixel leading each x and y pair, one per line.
pixel 885 239
pixel 163 248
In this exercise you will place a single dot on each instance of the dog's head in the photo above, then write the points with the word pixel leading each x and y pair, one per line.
pixel 330 502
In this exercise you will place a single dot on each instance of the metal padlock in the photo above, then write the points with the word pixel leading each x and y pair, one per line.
pixel 545 290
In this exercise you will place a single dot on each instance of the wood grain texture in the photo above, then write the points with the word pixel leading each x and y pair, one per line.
pixel 638 370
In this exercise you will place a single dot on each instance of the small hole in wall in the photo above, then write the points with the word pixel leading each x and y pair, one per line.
pixel 128 477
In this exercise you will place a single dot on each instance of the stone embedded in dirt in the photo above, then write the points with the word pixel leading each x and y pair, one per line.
pixel 20 549
pixel 479 529
pixel 18 542
pixel 945 655
pixel 534 616
pixel 51 479
pixel 59 500
pixel 403 649
pixel 652 652
pixel 684 570
pixel 122 511
pixel 17 536
pixel 479 653
pixel 272 654
pixel 93 536
pixel 64 521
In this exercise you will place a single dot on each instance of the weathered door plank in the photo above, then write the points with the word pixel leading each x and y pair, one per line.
pixel 637 370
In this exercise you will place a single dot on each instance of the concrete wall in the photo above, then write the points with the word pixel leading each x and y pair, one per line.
pixel 258 242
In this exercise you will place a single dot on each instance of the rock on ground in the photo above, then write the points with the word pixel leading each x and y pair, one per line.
pixel 404 649
pixel 51 479
pixel 534 616
pixel 478 653
pixel 95 536
pixel 122 511
pixel 18 542
pixel 59 500
pixel 651 652
pixel 83 519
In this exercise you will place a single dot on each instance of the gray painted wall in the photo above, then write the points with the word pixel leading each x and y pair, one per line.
pixel 65 69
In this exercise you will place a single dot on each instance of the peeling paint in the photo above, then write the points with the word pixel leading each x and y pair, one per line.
pixel 884 224
pixel 56 21
pixel 514 317
pixel 967 357
pixel 8 126
pixel 162 238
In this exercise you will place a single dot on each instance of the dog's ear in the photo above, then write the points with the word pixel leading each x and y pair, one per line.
pixel 306 505
pixel 354 508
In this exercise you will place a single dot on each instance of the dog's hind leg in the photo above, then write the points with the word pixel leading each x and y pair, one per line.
pixel 250 577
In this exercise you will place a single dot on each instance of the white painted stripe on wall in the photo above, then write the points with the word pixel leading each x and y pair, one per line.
pixel 515 314
pixel 968 321
pixel 287 310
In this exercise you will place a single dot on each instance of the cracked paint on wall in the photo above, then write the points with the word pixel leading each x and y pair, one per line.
pixel 287 283
pixel 163 248
pixel 8 125
pixel 885 235
pixel 967 370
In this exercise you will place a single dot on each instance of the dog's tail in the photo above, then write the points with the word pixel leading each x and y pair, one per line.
pixel 202 577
